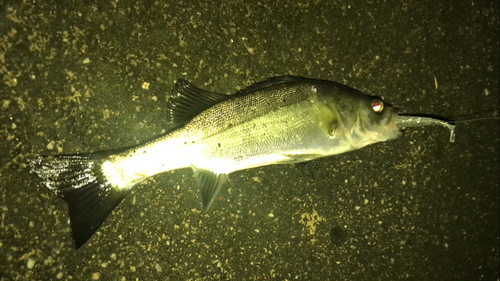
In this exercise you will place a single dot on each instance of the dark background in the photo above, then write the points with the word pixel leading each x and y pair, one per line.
pixel 417 208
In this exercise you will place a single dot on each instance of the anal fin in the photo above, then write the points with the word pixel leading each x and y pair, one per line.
pixel 210 185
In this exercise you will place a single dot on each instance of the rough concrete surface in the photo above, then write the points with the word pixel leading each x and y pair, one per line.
pixel 81 76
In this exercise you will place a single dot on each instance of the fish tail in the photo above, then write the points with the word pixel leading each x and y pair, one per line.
pixel 80 181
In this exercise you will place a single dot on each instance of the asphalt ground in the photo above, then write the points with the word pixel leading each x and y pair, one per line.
pixel 90 75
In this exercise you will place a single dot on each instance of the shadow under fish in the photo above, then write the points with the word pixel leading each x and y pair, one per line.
pixel 278 121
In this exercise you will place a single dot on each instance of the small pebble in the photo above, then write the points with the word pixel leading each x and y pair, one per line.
pixel 31 263
pixel 158 268
pixel 51 144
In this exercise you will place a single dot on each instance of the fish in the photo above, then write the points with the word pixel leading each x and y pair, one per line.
pixel 281 120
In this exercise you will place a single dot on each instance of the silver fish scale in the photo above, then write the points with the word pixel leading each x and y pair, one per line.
pixel 234 112
pixel 284 123
pixel 271 122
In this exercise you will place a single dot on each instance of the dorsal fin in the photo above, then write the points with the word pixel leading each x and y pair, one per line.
pixel 187 101
pixel 267 83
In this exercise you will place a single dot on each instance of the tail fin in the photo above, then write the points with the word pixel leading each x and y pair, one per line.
pixel 79 180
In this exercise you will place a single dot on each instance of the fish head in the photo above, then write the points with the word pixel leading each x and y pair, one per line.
pixel 361 119
pixel 375 122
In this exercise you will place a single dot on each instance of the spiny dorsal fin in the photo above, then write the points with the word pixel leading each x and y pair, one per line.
pixel 267 83
pixel 187 101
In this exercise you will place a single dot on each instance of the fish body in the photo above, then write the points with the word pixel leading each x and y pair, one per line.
pixel 289 120
pixel 277 121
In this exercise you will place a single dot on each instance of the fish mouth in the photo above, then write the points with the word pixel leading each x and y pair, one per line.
pixel 380 130
pixel 391 130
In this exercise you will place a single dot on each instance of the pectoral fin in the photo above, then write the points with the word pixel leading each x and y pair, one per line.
pixel 210 184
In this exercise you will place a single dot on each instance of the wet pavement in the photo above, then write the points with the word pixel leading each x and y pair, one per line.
pixel 93 75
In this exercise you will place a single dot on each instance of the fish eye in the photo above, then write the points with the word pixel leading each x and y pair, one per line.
pixel 377 106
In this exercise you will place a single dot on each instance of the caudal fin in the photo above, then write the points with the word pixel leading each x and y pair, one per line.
pixel 79 180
